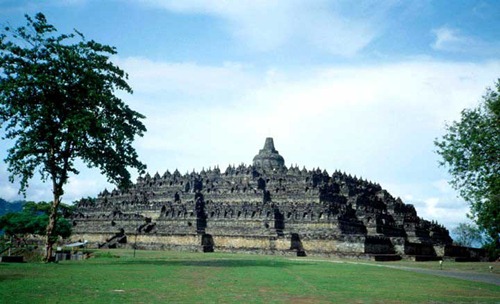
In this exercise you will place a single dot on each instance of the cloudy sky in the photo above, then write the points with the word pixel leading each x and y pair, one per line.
pixel 360 86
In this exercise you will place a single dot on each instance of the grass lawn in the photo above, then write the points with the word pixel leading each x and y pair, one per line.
pixel 164 277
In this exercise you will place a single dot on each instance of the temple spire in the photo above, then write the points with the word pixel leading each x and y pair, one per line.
pixel 269 157
pixel 269 145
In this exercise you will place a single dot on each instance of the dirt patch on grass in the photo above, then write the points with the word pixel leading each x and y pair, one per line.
pixel 306 300
pixel 199 278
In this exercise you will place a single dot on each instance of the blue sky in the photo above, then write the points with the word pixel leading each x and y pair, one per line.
pixel 360 86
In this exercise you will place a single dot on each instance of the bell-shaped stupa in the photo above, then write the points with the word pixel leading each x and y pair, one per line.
pixel 268 157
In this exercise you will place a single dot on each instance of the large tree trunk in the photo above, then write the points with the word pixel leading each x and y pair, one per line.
pixel 51 227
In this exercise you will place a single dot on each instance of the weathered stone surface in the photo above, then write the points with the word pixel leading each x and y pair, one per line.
pixel 268 158
pixel 262 208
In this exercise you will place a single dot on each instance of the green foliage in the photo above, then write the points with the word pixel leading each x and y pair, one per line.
pixel 471 151
pixel 104 254
pixel 58 104
pixel 492 251
pixel 64 210
pixel 468 235
pixel 23 223
pixel 33 220
pixel 57 100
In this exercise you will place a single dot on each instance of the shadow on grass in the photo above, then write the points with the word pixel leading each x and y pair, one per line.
pixel 6 277
pixel 204 263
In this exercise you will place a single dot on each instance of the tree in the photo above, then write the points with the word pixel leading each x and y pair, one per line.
pixel 58 103
pixel 33 219
pixel 468 235
pixel 471 151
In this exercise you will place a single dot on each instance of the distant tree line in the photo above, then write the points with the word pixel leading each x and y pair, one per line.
pixel 33 219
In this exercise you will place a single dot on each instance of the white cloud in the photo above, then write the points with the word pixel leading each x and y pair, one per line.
pixel 345 116
pixel 154 78
pixel 88 183
pixel 84 185
pixel 8 191
pixel 443 186
pixel 267 25
pixel 449 39
pixel 432 200
pixel 449 214
pixel 453 40
pixel 374 121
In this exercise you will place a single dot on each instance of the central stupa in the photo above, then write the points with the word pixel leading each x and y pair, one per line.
pixel 269 157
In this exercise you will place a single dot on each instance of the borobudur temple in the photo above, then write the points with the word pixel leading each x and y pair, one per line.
pixel 265 207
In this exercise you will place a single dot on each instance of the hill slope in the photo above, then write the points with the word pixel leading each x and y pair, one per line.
pixel 6 207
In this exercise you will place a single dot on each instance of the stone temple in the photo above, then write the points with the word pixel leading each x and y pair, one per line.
pixel 265 207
